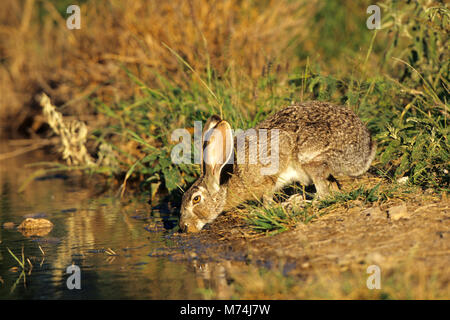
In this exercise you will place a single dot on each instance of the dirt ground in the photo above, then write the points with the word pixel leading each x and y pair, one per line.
pixel 408 237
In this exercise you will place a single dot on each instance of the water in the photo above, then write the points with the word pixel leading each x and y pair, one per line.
pixel 118 246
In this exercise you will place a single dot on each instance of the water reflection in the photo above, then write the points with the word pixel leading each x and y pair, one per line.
pixel 213 278
pixel 110 242
pixel 124 249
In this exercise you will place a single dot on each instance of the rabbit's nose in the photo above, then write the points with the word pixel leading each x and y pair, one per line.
pixel 184 226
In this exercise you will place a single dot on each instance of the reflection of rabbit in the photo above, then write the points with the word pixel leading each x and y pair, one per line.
pixel 314 140
pixel 213 275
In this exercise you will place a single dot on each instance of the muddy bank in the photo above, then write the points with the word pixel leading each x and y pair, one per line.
pixel 342 240
pixel 329 257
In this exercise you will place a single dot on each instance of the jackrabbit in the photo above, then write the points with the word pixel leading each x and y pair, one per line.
pixel 307 143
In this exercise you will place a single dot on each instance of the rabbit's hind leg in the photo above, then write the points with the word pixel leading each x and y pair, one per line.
pixel 319 173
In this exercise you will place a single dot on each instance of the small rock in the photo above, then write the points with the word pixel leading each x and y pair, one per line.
pixel 374 258
pixel 35 227
pixel 399 212
pixel 403 180
pixel 305 265
pixel 374 212
pixel 31 223
pixel 8 225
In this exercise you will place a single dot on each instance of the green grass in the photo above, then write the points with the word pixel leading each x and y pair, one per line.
pixel 364 194
pixel 274 219
pixel 277 218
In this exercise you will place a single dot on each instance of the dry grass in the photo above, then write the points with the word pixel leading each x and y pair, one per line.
pixel 38 53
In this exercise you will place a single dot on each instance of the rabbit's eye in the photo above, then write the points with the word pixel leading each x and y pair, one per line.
pixel 196 199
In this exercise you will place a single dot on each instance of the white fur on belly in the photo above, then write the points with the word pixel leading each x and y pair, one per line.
pixel 292 174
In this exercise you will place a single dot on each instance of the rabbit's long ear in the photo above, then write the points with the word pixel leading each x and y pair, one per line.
pixel 210 123
pixel 218 152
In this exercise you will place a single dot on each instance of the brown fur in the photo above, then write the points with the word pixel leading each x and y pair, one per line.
pixel 316 140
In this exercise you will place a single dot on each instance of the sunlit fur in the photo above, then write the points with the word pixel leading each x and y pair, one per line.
pixel 316 140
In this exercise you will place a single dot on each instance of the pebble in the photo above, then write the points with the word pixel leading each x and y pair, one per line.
pixel 8 225
pixel 31 223
pixel 403 180
pixel 374 212
pixel 399 212
pixel 374 258
pixel 35 227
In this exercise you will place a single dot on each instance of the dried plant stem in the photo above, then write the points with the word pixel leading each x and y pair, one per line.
pixel 73 134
